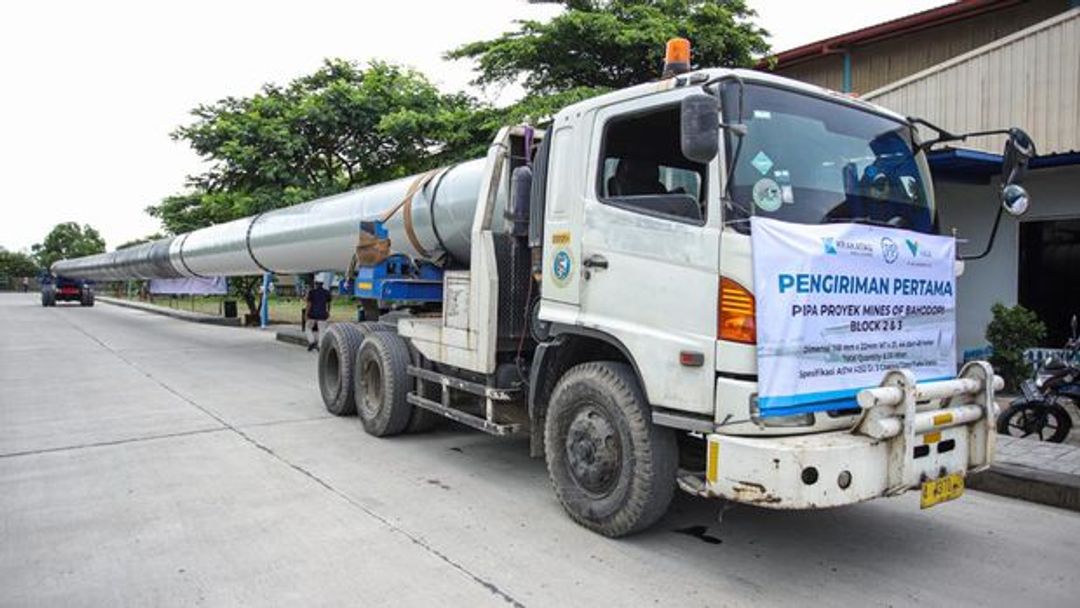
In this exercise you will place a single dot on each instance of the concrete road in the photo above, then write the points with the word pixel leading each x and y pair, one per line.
pixel 148 461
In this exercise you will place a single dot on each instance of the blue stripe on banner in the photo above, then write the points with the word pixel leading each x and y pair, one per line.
pixel 784 405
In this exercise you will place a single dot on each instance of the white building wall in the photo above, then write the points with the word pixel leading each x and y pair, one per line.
pixel 1030 79
pixel 970 209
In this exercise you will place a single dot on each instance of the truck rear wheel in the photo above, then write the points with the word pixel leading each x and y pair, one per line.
pixel 48 297
pixel 381 383
pixel 337 353
pixel 612 469
pixel 86 298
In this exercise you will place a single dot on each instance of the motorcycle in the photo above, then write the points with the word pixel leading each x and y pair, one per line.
pixel 1040 413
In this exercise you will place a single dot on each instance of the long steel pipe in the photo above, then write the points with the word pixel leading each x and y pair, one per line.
pixel 309 237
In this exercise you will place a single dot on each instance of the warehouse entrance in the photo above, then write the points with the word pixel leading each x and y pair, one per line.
pixel 1050 274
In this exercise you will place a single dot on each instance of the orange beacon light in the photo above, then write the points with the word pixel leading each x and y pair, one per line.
pixel 677 57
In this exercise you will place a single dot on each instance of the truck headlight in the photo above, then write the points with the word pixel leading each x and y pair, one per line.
pixel 804 419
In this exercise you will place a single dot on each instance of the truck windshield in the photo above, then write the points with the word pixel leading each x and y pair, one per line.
pixel 810 160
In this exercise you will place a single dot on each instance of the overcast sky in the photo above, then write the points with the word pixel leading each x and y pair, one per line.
pixel 91 89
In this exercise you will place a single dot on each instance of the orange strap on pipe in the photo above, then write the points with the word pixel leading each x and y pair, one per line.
pixel 406 202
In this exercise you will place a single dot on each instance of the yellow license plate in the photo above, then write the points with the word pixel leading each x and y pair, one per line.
pixel 937 491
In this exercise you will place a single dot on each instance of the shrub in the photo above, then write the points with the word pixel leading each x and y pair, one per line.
pixel 1012 331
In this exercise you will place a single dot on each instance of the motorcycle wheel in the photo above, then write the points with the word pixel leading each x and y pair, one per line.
pixel 1038 420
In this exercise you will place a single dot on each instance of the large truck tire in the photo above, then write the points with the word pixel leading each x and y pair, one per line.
pixel 612 469
pixel 367 327
pixel 48 297
pixel 86 298
pixel 381 384
pixel 337 356
pixel 420 420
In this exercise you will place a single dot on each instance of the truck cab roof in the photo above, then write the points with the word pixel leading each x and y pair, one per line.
pixel 696 78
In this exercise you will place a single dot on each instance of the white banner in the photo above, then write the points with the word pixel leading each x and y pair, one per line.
pixel 838 305
pixel 193 286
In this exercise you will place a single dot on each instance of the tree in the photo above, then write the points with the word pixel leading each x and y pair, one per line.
pixel 14 265
pixel 68 240
pixel 601 45
pixel 146 239
pixel 341 127
pixel 1012 331
pixel 324 133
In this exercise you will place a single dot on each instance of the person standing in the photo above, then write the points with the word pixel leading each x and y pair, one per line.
pixel 318 311
pixel 25 284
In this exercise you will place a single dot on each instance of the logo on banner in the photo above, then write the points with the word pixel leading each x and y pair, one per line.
pixel 889 250
pixel 830 245
pixel 913 247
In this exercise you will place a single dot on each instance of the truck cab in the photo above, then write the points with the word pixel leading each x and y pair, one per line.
pixel 642 348
pixel 62 289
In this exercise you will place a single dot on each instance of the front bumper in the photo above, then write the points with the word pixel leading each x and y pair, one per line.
pixel 908 434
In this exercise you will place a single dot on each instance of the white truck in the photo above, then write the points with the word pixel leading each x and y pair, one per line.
pixel 591 285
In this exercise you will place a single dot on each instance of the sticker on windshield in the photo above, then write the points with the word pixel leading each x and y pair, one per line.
pixel 767 195
pixel 910 185
pixel 787 194
pixel 762 162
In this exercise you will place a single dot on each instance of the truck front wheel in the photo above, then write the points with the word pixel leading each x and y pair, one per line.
pixel 613 470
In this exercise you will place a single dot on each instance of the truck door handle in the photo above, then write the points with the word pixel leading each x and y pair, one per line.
pixel 595 261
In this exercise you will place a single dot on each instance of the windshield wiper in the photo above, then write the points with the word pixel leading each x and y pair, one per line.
pixel 869 221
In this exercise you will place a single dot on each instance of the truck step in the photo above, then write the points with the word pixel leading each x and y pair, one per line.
pixel 487 392
pixel 482 424
pixel 499 412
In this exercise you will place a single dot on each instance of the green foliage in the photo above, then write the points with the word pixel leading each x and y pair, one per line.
pixel 341 127
pixel 338 128
pixel 14 264
pixel 614 44
pixel 347 124
pixel 1012 331
pixel 146 239
pixel 68 240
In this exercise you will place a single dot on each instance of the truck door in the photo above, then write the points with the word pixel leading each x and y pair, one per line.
pixel 563 215
pixel 649 250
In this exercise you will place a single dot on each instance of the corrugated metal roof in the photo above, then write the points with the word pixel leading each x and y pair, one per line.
pixel 1030 79
pixel 939 15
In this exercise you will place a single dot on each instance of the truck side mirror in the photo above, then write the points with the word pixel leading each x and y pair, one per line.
pixel 699 127
pixel 1018 151
pixel 1014 198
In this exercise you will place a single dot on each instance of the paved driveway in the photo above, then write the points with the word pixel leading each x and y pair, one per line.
pixel 149 461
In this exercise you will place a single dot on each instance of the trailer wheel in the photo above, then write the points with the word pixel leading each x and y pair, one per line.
pixel 87 298
pixel 48 297
pixel 612 469
pixel 337 353
pixel 381 382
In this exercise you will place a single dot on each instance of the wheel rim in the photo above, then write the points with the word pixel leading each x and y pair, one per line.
pixel 593 450
pixel 371 376
pixel 1029 422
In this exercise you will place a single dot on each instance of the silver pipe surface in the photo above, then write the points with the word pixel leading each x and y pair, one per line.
pixel 310 237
